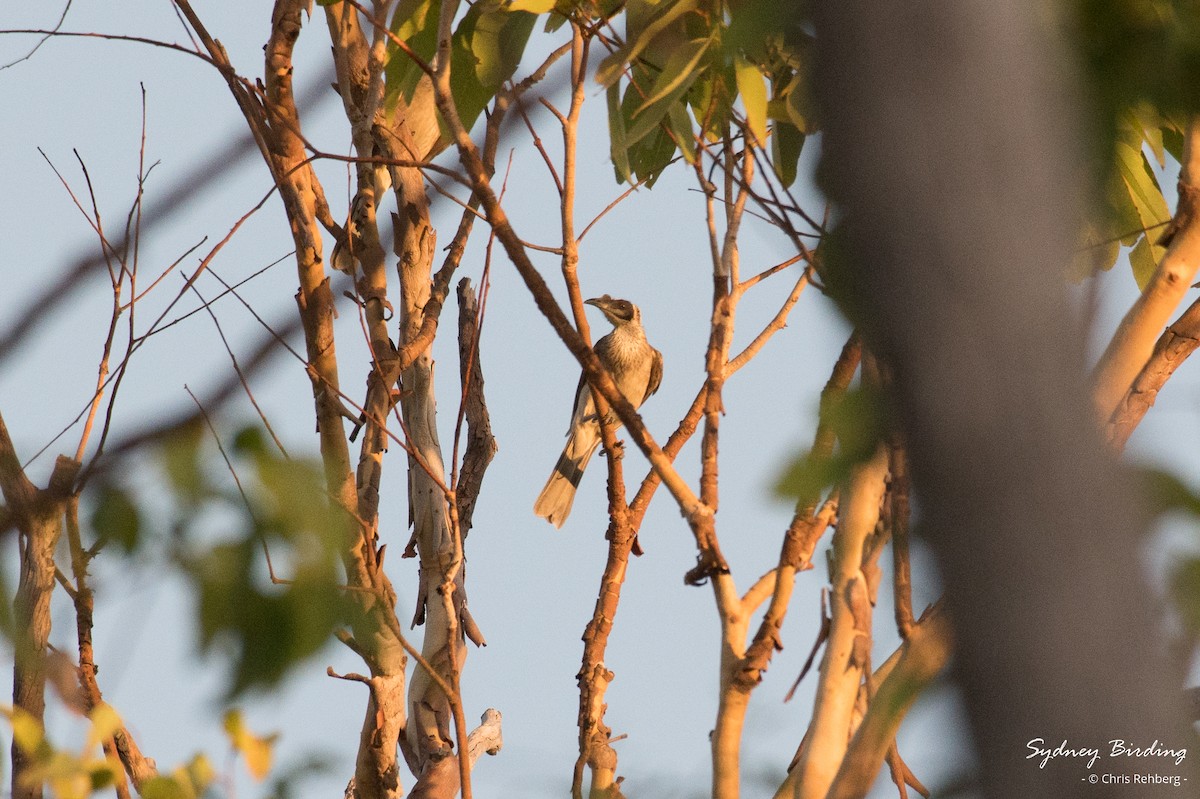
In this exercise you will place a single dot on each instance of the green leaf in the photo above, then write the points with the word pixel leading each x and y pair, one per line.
pixel 116 518
pixel 664 14
pixel 619 148
pixel 800 108
pixel 1142 186
pixel 651 155
pixel 677 76
pixel 786 144
pixel 1143 259
pixel 1149 204
pixel 679 71
pixel 1144 121
pixel 753 27
pixel 1125 224
pixel 752 87
pixel 685 135
pixel 415 22
pixel 199 773
pixel 487 49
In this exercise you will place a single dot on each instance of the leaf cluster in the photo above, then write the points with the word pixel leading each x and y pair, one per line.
pixel 1166 493
pixel 1135 210
pixel 684 72
pixel 70 775
pixel 279 516
pixel 486 49
pixel 687 71
pixel 1139 60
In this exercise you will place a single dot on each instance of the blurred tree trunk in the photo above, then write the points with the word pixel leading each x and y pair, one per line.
pixel 951 148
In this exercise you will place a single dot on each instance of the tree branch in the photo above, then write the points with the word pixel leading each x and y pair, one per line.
pixel 1170 351
pixel 1132 343
pixel 922 657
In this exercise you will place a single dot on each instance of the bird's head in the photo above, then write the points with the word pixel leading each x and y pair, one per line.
pixel 619 312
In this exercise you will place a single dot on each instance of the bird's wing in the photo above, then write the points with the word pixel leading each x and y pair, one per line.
pixel 656 369
pixel 580 410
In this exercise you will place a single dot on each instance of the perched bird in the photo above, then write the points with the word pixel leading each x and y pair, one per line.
pixel 636 368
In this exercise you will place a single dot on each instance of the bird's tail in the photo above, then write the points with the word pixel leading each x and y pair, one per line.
pixel 554 503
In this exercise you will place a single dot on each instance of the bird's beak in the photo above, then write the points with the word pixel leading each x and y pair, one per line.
pixel 599 302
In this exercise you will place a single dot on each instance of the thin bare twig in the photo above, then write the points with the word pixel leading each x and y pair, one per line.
pixel 206 305
pixel 262 539
pixel 57 27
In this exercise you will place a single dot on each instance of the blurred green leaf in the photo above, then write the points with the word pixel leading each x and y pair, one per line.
pixel 27 732
pixel 1166 492
pixel 1185 589
pixel 181 460
pixel 250 440
pixel 257 750
pixel 1135 52
pixel 859 422
pixel 116 518
pixel 187 782
pixel 270 628
pixel 267 627
pixel 103 774
pixel 1093 254
pixel 164 788
pixel 1124 223
pixel 105 721
pixel 1144 121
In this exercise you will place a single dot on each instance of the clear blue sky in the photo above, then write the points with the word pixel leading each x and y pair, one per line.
pixel 532 588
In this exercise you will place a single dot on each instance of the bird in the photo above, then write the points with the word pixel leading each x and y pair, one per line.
pixel 636 368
